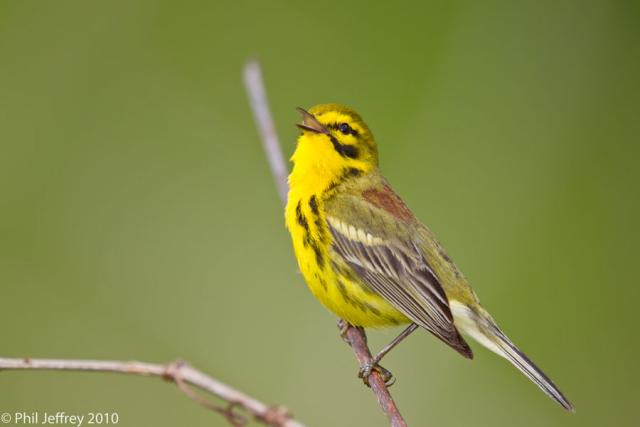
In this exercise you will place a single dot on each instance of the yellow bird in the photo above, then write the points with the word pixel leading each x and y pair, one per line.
pixel 367 258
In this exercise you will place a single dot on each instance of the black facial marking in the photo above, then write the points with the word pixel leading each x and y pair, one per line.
pixel 344 128
pixel 345 150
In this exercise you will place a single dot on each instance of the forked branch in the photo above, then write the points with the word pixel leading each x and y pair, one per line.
pixel 183 375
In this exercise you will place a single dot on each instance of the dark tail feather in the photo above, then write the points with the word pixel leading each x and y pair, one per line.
pixel 527 367
pixel 479 325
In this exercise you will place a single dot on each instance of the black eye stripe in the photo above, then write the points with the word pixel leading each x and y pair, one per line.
pixel 344 128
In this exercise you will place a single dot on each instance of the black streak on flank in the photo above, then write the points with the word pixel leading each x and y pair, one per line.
pixel 343 291
pixel 372 309
pixel 313 204
pixel 317 220
pixel 307 238
pixel 317 252
pixel 345 150
pixel 301 218
pixel 364 306
pixel 349 275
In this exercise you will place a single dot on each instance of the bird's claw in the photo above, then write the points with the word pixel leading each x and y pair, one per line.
pixel 368 368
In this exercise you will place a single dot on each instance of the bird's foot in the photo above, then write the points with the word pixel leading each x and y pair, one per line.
pixel 372 366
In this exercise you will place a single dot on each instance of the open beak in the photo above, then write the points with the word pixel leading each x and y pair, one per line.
pixel 310 123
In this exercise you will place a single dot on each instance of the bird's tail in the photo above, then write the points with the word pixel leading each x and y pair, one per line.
pixel 480 326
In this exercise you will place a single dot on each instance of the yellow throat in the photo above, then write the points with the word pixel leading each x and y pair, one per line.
pixel 334 141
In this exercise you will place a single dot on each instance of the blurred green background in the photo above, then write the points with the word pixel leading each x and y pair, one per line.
pixel 139 220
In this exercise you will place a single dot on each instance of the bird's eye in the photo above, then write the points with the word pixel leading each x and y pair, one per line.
pixel 345 128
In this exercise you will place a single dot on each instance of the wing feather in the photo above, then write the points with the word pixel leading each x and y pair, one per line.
pixel 396 268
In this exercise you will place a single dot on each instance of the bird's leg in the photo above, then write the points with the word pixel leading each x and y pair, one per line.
pixel 386 349
pixel 372 365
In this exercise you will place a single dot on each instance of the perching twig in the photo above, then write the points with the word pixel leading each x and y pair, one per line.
pixel 258 100
pixel 358 341
pixel 355 336
pixel 179 372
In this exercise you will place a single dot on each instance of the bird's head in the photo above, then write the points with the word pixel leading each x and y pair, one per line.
pixel 335 141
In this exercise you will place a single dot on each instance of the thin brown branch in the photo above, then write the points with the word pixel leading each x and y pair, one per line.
pixel 355 336
pixel 181 373
pixel 358 341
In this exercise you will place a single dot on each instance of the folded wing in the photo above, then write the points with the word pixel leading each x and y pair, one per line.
pixel 376 239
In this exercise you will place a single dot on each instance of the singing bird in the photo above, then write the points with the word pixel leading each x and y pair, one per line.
pixel 365 255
